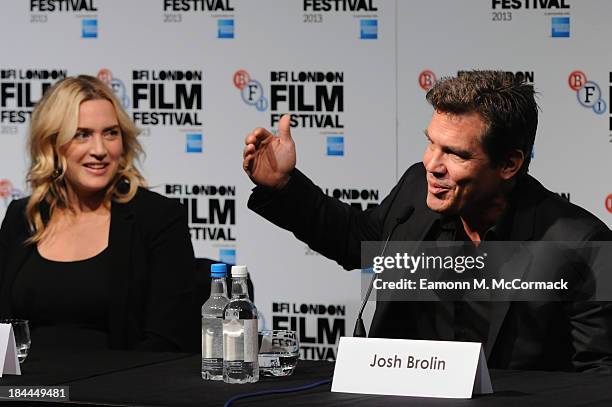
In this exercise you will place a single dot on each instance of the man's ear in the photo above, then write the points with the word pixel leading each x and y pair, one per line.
pixel 512 164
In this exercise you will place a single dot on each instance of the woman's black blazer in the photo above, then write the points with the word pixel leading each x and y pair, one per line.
pixel 152 304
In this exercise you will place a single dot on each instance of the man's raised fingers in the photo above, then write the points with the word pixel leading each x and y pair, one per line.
pixel 249 149
pixel 257 136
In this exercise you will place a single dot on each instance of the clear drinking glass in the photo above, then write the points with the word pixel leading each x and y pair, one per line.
pixel 21 330
pixel 279 351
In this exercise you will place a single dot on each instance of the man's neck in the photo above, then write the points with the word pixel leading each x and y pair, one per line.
pixel 478 223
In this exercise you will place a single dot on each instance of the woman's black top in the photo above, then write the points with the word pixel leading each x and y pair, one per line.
pixel 65 302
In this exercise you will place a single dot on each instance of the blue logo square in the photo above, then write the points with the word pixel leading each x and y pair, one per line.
pixel 335 145
pixel 193 143
pixel 369 29
pixel 89 28
pixel 227 256
pixel 225 28
pixel 560 27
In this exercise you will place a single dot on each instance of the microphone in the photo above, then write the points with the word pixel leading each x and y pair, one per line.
pixel 359 331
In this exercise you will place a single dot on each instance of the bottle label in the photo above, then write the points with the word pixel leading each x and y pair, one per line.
pixel 240 340
pixel 212 338
pixel 250 340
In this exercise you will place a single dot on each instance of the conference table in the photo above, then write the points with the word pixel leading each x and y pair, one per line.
pixel 121 378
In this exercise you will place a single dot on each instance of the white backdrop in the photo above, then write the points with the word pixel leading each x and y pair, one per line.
pixel 245 61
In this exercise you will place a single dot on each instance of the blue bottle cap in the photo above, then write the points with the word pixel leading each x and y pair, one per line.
pixel 218 270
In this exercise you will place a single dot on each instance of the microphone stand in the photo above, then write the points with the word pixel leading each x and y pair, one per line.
pixel 360 331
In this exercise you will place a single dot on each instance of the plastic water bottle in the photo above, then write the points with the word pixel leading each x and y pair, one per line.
pixel 212 324
pixel 240 349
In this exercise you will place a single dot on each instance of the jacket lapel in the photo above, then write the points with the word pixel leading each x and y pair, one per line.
pixel 20 254
pixel 523 227
pixel 120 244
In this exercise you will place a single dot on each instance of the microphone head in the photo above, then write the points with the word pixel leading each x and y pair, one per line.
pixel 359 331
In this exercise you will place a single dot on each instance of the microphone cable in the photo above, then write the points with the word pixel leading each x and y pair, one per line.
pixel 237 397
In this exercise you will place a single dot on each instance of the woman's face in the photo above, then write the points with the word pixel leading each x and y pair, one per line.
pixel 92 156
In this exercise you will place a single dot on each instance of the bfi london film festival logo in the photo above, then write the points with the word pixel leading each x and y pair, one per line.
pixel 251 90
pixel 319 326
pixel 211 211
pixel 164 98
pixel 587 91
pixel 426 79
pixel 315 100
pixel 117 85
pixel 20 89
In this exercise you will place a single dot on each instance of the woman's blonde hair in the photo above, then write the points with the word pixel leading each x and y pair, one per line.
pixel 54 123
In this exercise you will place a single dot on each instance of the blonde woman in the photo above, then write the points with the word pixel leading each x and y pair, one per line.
pixel 92 258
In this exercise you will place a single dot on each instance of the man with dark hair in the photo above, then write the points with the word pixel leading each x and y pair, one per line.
pixel 471 186
pixel 507 106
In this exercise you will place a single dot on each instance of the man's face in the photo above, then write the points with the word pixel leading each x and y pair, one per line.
pixel 460 178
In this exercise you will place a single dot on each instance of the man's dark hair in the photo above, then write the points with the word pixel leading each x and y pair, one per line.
pixel 505 102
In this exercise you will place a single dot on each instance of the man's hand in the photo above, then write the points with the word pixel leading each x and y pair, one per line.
pixel 268 160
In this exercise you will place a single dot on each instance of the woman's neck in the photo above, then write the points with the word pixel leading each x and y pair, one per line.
pixel 87 203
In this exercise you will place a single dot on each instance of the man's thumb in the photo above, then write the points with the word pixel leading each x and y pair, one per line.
pixel 284 127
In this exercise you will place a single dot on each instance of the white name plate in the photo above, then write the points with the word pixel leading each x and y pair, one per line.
pixel 9 364
pixel 402 367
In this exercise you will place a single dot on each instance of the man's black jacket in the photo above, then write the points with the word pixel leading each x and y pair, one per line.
pixel 522 335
